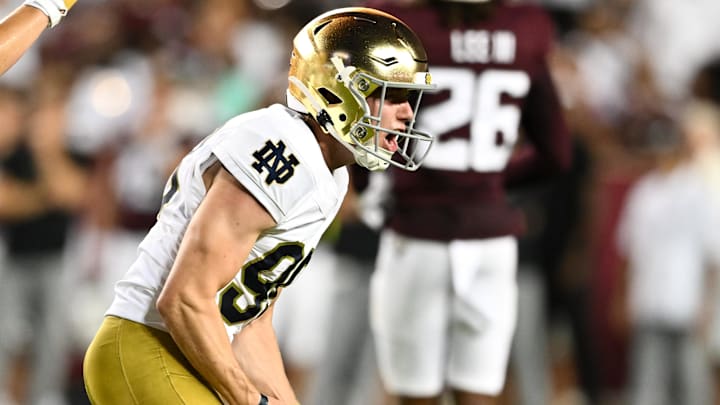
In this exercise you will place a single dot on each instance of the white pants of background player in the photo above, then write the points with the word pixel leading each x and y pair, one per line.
pixel 443 314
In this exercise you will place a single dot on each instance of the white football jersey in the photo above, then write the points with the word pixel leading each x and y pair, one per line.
pixel 276 157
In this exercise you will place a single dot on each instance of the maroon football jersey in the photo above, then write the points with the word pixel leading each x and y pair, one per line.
pixel 493 80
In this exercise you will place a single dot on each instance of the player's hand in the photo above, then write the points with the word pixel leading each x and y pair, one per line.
pixel 54 9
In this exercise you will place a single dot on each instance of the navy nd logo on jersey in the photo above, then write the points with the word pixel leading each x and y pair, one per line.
pixel 272 158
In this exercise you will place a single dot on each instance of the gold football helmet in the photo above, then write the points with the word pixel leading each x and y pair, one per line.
pixel 346 55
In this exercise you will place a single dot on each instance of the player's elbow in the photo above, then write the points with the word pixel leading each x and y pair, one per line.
pixel 166 304
pixel 177 307
pixel 171 307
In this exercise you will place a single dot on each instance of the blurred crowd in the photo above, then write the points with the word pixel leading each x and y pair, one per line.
pixel 617 283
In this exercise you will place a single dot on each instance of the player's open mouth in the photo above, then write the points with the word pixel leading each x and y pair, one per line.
pixel 390 142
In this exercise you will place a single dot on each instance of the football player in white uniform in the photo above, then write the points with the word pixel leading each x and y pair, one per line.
pixel 242 213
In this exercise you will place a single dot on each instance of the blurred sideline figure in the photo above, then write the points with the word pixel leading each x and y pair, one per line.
pixel 20 29
pixel 444 293
pixel 702 125
pixel 668 236
pixel 242 213
pixel 41 189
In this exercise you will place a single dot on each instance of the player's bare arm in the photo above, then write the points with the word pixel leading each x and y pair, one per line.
pixel 21 28
pixel 17 32
pixel 215 245
pixel 256 349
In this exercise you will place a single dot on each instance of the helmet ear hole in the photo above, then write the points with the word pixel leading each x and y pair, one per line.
pixel 343 117
pixel 329 96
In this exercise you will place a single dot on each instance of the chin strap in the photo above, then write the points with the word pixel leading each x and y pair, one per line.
pixel 372 162
pixel 343 71
pixel 294 80
pixel 322 117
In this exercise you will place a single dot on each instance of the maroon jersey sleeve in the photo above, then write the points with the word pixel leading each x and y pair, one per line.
pixel 549 148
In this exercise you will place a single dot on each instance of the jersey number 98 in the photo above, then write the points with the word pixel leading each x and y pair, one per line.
pixel 260 280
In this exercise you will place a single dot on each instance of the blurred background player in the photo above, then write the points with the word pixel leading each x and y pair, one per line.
pixel 444 294
pixel 20 29
pixel 667 236
pixel 41 183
